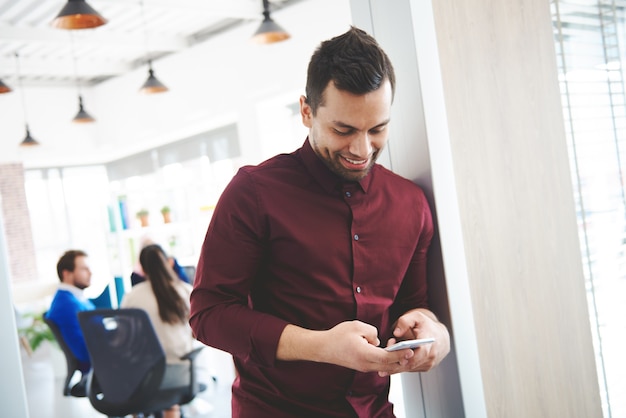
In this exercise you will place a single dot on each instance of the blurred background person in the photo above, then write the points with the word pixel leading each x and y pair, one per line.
pixel 166 300
pixel 75 276
pixel 137 276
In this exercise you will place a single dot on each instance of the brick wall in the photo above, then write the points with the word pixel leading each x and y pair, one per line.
pixel 17 227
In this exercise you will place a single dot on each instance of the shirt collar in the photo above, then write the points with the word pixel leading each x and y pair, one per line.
pixel 73 290
pixel 321 173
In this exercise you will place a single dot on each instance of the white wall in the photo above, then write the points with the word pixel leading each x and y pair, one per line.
pixel 454 388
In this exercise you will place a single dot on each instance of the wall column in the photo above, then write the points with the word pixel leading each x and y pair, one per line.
pixel 12 388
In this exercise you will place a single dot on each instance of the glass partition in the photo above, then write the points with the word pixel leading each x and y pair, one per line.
pixel 589 41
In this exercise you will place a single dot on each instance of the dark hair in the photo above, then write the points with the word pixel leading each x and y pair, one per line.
pixel 353 61
pixel 172 307
pixel 67 262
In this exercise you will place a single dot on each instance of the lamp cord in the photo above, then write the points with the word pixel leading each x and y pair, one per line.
pixel 266 8
pixel 145 34
pixel 76 79
pixel 19 82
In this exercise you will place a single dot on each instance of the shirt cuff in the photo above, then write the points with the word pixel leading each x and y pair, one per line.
pixel 264 340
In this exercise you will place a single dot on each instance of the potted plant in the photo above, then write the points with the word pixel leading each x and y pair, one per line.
pixel 37 337
pixel 33 335
pixel 166 212
pixel 143 217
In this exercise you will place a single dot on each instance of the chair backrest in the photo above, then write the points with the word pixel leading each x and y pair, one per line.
pixel 71 361
pixel 104 299
pixel 190 272
pixel 126 355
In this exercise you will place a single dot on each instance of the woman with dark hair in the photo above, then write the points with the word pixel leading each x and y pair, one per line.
pixel 166 300
pixel 137 276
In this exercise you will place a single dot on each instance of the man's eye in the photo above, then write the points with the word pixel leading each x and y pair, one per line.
pixel 342 133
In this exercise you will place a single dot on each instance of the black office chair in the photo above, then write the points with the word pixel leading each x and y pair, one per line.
pixel 73 364
pixel 129 374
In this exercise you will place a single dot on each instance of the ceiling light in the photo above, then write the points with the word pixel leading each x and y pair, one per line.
pixel 28 140
pixel 4 88
pixel 82 116
pixel 152 84
pixel 269 32
pixel 77 14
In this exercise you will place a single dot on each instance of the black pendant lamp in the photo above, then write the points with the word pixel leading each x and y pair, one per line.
pixel 77 14
pixel 28 139
pixel 152 84
pixel 82 116
pixel 4 88
pixel 269 32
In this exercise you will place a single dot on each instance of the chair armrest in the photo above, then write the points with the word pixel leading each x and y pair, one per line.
pixel 194 386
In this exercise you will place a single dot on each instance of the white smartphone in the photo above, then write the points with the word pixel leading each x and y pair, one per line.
pixel 409 344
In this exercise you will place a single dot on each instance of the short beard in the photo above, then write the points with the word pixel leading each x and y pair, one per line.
pixel 334 165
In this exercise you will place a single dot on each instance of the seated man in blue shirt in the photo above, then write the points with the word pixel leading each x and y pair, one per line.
pixel 75 275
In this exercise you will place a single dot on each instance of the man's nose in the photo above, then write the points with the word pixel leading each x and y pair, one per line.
pixel 361 146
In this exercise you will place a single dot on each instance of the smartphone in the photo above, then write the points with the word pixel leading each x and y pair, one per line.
pixel 409 344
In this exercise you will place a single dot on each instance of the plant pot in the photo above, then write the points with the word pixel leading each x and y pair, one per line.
pixel 167 218
pixel 144 220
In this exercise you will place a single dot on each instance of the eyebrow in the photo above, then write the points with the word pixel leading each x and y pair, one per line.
pixel 346 126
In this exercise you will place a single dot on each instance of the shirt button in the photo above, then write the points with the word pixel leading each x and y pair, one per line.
pixel 358 289
pixel 356 237
pixel 348 194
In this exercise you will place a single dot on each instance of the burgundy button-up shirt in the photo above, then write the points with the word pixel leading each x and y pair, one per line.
pixel 292 243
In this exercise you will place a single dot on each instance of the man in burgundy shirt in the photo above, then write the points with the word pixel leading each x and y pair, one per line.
pixel 315 260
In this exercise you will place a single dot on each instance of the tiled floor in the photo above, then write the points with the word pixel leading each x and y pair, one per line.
pixel 44 372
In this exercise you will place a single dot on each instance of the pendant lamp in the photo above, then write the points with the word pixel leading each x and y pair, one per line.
pixel 4 88
pixel 28 139
pixel 77 14
pixel 152 85
pixel 269 32
pixel 82 116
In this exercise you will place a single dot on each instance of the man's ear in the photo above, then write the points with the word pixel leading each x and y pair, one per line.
pixel 66 275
pixel 306 112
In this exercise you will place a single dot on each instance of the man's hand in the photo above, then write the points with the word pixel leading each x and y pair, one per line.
pixel 354 344
pixel 351 344
pixel 421 323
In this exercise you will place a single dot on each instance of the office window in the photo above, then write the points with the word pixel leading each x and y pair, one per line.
pixel 589 41
pixel 68 210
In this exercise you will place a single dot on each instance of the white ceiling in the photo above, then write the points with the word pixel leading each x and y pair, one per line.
pixel 56 57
